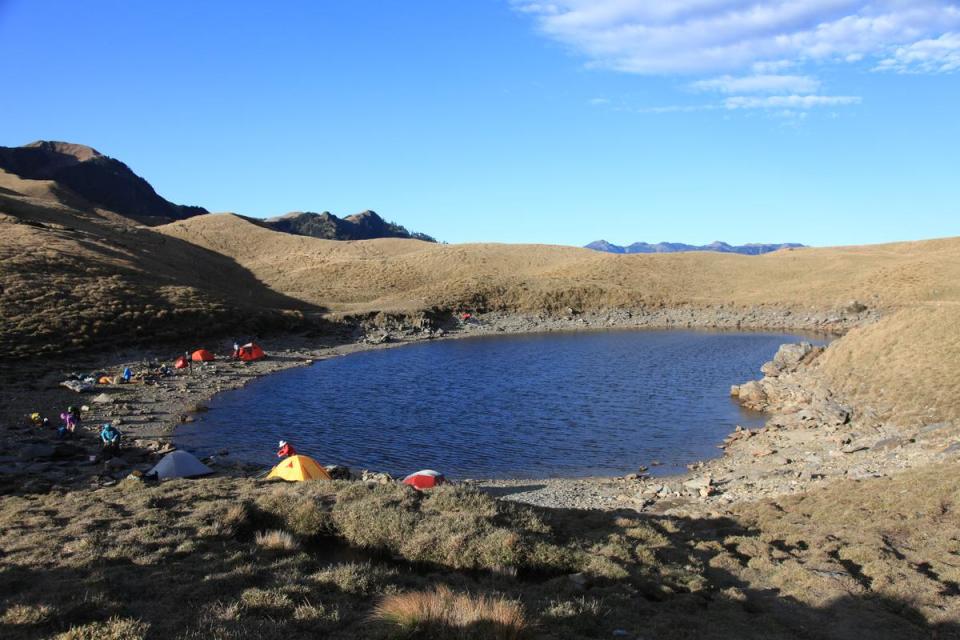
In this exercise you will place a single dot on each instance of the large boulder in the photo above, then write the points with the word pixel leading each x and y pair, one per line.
pixel 752 395
pixel 789 357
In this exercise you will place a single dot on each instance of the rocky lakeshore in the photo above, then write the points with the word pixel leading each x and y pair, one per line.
pixel 788 455
pixel 809 440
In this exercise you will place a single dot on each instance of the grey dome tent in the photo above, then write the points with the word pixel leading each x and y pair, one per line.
pixel 179 464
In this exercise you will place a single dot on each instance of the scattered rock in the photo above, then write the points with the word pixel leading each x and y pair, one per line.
pixel 855 306
pixel 578 580
pixel 339 472
pixel 887 444
pixel 697 484
pixel 373 476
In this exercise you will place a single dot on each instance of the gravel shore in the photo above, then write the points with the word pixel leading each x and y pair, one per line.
pixel 810 438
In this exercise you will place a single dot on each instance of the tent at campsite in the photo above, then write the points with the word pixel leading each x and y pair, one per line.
pixel 202 355
pixel 425 479
pixel 251 351
pixel 299 468
pixel 181 363
pixel 179 464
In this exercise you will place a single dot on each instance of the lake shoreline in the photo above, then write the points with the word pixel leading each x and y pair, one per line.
pixel 150 414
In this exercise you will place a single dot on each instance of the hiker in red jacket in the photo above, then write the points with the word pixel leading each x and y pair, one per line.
pixel 286 449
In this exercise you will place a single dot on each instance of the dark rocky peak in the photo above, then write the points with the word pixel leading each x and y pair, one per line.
pixel 102 181
pixel 365 225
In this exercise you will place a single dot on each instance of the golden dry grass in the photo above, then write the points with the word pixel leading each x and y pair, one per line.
pixel 276 540
pixel 74 277
pixel 894 539
pixel 906 366
pixel 403 275
pixel 441 613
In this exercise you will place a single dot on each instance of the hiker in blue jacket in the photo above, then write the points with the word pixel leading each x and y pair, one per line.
pixel 110 437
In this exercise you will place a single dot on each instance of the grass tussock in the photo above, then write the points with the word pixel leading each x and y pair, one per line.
pixel 441 613
pixel 276 540
pixel 233 521
pixel 113 629
pixel 26 614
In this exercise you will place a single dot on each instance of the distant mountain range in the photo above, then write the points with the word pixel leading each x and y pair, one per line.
pixel 751 249
pixel 106 183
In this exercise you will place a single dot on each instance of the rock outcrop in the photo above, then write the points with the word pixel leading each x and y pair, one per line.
pixel 366 225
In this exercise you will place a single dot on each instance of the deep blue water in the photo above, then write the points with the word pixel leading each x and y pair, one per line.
pixel 527 406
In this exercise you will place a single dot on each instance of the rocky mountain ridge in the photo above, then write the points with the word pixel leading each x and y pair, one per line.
pixel 100 180
pixel 106 183
pixel 366 225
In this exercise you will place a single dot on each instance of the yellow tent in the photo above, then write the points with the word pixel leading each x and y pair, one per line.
pixel 298 469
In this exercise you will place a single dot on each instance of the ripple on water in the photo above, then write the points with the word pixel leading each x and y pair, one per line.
pixel 526 406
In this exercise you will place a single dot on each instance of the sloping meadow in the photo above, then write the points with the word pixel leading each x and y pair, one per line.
pixel 234 558
pixel 244 558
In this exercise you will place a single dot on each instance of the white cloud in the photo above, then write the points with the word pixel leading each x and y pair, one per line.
pixel 760 83
pixel 707 36
pixel 772 66
pixel 675 108
pixel 933 55
pixel 599 101
pixel 788 103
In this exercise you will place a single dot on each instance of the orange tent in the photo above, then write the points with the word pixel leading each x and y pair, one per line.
pixel 202 355
pixel 181 363
pixel 251 351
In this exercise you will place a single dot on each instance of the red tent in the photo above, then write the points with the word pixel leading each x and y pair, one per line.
pixel 425 479
pixel 181 363
pixel 202 355
pixel 251 351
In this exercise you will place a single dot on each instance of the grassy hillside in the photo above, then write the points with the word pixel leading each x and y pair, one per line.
pixel 905 366
pixel 404 275
pixel 74 276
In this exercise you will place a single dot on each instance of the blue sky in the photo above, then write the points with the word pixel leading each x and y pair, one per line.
pixel 818 121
